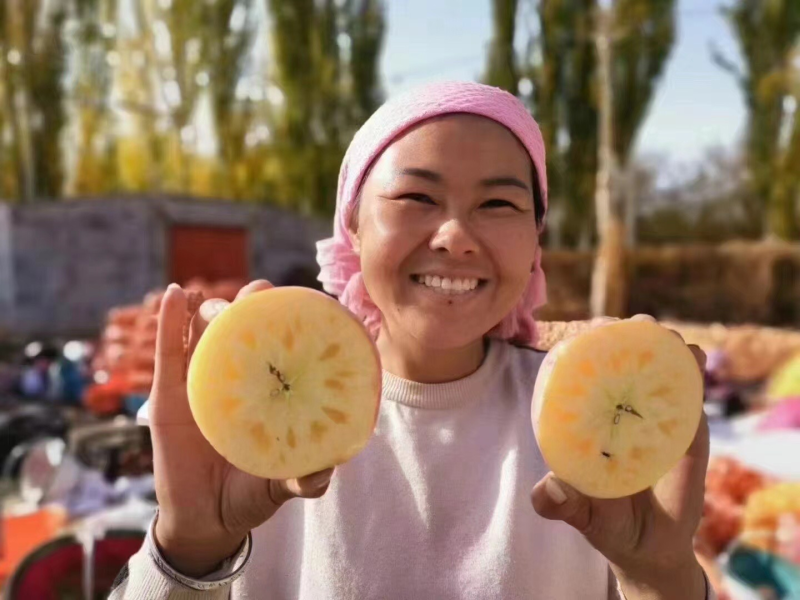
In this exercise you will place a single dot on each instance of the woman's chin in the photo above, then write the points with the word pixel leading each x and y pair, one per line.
pixel 435 334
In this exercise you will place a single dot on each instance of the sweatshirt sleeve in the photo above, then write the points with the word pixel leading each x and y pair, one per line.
pixel 147 576
pixel 615 591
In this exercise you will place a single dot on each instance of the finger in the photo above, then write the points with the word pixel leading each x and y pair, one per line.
pixel 600 321
pixel 700 444
pixel 699 356
pixel 211 308
pixel 310 486
pixel 557 501
pixel 314 485
pixel 259 285
pixel 680 492
pixel 677 333
pixel 170 350
pixel 205 314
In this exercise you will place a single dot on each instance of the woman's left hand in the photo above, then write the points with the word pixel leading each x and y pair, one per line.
pixel 648 537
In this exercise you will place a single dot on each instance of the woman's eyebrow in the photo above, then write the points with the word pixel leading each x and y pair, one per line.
pixel 491 182
pixel 505 181
pixel 422 173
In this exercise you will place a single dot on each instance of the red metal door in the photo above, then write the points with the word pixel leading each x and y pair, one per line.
pixel 210 253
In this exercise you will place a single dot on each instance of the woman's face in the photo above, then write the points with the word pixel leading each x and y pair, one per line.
pixel 446 230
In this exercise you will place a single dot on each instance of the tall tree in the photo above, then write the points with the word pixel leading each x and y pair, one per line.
pixel 633 40
pixel 561 65
pixel 34 92
pixel 644 35
pixel 196 52
pixel 325 64
pixel 176 43
pixel 93 168
pixel 228 37
pixel 768 33
pixel 140 145
pixel 643 38
pixel 8 179
pixel 364 26
pixel 501 68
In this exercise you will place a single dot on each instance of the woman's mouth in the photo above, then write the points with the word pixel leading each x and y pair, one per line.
pixel 449 285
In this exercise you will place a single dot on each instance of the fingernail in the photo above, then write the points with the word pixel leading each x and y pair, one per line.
pixel 211 308
pixel 321 479
pixel 555 491
pixel 643 317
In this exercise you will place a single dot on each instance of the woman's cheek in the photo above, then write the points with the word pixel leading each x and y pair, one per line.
pixel 384 247
pixel 512 242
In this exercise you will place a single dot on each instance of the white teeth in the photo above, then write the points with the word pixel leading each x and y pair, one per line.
pixel 447 285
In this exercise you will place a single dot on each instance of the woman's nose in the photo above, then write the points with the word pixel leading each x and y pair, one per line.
pixel 454 236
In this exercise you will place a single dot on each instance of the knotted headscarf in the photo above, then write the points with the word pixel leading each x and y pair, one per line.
pixel 340 266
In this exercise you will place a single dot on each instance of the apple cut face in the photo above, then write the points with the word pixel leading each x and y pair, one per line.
pixel 616 408
pixel 285 382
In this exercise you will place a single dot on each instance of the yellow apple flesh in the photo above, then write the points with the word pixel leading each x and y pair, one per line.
pixel 616 407
pixel 285 382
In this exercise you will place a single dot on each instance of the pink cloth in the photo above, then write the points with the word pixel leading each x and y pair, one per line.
pixel 340 266
pixel 786 415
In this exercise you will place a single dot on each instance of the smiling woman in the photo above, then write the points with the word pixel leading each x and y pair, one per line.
pixel 440 203
pixel 427 224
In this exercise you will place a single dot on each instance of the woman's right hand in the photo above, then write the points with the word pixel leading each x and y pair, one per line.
pixel 206 505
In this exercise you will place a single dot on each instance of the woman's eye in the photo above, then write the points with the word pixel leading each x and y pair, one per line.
pixel 496 203
pixel 418 198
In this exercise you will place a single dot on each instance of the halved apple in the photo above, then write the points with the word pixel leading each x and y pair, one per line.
pixel 616 407
pixel 285 382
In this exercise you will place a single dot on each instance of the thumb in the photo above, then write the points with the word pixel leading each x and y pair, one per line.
pixel 557 501
pixel 310 486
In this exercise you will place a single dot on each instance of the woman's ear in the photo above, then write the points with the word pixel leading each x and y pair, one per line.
pixel 352 226
pixel 354 239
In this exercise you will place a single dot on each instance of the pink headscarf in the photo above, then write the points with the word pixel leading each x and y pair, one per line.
pixel 340 266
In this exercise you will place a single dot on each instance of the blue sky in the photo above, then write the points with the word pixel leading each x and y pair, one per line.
pixel 697 106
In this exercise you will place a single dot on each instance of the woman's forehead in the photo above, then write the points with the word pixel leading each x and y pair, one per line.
pixel 452 141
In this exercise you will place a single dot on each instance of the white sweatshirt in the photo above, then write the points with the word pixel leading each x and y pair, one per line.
pixel 437 506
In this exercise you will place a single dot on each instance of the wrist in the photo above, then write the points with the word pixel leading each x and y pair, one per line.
pixel 684 581
pixel 191 553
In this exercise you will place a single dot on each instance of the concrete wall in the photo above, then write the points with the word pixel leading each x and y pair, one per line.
pixel 281 242
pixel 72 261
